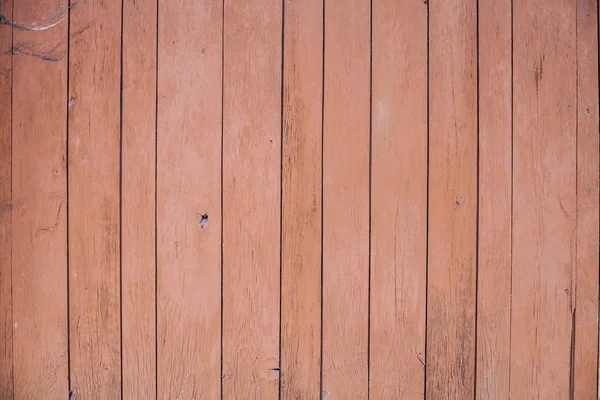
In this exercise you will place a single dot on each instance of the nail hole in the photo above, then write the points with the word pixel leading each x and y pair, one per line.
pixel 203 221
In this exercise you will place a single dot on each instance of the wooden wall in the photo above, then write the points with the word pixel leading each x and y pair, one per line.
pixel 299 199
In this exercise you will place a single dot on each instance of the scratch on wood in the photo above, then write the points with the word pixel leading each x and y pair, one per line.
pixel 51 227
pixel 420 359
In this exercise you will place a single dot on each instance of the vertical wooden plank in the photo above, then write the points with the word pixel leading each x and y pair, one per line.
pixel 189 199
pixel 585 356
pixel 346 145
pixel 452 200
pixel 495 199
pixel 302 193
pixel 251 198
pixel 399 200
pixel 138 199
pixel 94 203
pixel 39 229
pixel 6 207
pixel 544 197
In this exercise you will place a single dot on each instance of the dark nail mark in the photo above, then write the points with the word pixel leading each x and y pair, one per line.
pixel 539 72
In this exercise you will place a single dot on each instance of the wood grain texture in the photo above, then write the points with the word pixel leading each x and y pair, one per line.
pixel 452 200
pixel 39 190
pixel 6 208
pixel 138 190
pixel 94 202
pixel 495 199
pixel 302 193
pixel 399 200
pixel 392 199
pixel 189 199
pixel 346 199
pixel 251 198
pixel 585 350
pixel 544 197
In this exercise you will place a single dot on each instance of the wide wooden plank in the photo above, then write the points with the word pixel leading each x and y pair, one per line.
pixel 585 350
pixel 495 199
pixel 301 191
pixel 138 190
pixel 189 199
pixel 544 197
pixel 251 198
pixel 94 202
pixel 39 190
pixel 346 145
pixel 399 200
pixel 6 207
pixel 452 200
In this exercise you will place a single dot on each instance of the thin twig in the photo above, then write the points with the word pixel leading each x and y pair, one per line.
pixel 28 28
pixel 41 50
pixel 35 26
pixel 27 49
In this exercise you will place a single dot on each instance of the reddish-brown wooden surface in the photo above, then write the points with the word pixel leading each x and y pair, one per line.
pixel 6 207
pixel 584 356
pixel 94 157
pixel 138 156
pixel 251 198
pixel 301 191
pixel 495 200
pixel 544 198
pixel 399 200
pixel 452 237
pixel 346 199
pixel 189 199
pixel 39 189
pixel 299 199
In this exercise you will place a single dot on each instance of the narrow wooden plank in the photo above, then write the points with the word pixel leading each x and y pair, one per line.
pixel 346 199
pixel 544 197
pixel 94 214
pixel 189 199
pixel 39 190
pixel 495 199
pixel 137 200
pixel 6 207
pixel 399 200
pixel 301 191
pixel 452 200
pixel 251 198
pixel 585 356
